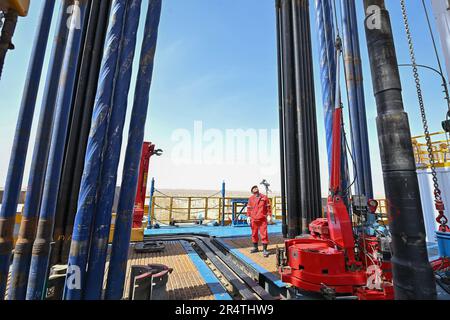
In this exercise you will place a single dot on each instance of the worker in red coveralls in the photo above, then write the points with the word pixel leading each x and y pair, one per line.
pixel 259 212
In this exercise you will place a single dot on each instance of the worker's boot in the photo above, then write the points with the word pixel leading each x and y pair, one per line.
pixel 255 248
pixel 265 251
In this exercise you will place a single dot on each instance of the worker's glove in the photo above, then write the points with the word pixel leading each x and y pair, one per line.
pixel 269 219
pixel 249 221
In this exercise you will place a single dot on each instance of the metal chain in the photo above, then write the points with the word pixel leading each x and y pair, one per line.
pixel 441 219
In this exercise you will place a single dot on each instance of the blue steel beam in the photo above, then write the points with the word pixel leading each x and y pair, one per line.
pixel 44 236
pixel 356 100
pixel 122 234
pixel 79 249
pixel 102 222
pixel 22 250
pixel 20 145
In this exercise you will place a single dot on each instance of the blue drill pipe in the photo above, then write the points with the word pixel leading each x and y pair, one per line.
pixel 357 106
pixel 20 145
pixel 102 222
pixel 79 249
pixel 327 39
pixel 44 237
pixel 22 250
pixel 122 234
pixel 150 204
pixel 328 65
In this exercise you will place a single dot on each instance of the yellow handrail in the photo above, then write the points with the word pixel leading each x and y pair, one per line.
pixel 440 149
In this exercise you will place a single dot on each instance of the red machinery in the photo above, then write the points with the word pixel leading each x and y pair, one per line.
pixel 148 150
pixel 332 259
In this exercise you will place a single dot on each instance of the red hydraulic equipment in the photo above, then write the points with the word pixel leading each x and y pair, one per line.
pixel 148 150
pixel 337 258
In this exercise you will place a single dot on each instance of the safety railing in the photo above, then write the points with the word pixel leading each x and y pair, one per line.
pixel 440 149
pixel 185 209
pixel 167 209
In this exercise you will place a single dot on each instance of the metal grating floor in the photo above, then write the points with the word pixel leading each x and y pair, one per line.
pixel 185 282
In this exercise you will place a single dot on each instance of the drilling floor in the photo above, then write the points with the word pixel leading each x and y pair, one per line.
pixel 244 246
pixel 185 282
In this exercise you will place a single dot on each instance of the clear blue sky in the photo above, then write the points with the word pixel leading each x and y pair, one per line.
pixel 216 62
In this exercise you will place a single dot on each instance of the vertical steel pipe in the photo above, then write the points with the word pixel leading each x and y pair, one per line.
pixel 357 105
pixel 89 189
pixel 284 227
pixel 120 247
pixel 27 232
pixel 88 102
pixel 20 145
pixel 413 275
pixel 41 246
pixel 290 121
pixel 103 214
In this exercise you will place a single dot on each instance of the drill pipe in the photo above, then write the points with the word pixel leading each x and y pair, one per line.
pixel 412 272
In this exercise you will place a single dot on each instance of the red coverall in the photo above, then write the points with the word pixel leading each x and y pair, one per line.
pixel 258 209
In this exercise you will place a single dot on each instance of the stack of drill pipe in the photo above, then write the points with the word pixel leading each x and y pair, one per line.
pixel 412 272
pixel 20 145
pixel 80 127
pixel 96 243
pixel 44 236
pixel 122 234
pixel 357 106
pixel 90 187
pixel 306 110
pixel 290 122
pixel 22 251
pixel 299 128
pixel 89 101
pixel 328 64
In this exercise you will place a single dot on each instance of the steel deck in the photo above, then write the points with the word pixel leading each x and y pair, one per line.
pixel 185 283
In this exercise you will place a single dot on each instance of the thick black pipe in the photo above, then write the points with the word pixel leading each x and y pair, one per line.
pixel 85 100
pixel 72 137
pixel 290 121
pixel 413 275
pixel 302 125
pixel 284 227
